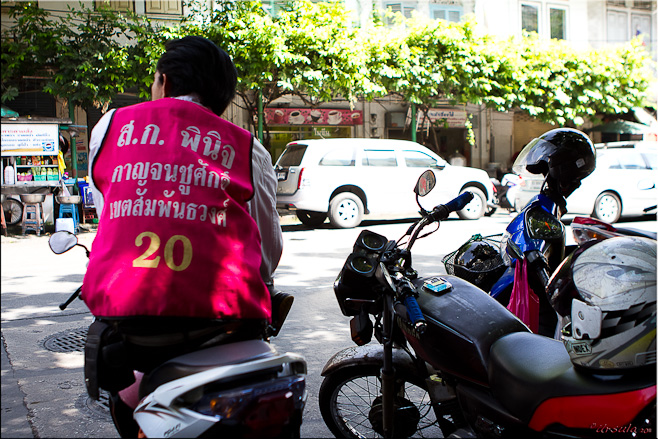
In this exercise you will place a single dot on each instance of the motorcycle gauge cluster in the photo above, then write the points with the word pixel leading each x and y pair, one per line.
pixel 543 225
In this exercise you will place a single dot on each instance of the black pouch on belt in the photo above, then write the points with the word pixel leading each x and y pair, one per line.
pixel 106 366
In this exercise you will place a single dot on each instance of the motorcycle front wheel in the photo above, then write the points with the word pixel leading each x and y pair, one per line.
pixel 350 404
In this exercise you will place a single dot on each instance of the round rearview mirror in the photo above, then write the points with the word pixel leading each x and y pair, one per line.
pixel 425 183
pixel 63 241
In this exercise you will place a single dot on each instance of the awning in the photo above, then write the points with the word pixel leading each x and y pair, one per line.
pixel 622 127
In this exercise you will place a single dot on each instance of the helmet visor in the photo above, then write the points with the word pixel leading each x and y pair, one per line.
pixel 537 151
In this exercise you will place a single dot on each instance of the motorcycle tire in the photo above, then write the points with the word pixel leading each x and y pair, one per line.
pixel 349 399
pixel 311 219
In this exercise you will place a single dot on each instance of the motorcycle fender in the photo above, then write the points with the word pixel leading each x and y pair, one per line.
pixel 370 354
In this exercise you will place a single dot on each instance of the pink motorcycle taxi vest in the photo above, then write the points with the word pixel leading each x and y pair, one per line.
pixel 175 237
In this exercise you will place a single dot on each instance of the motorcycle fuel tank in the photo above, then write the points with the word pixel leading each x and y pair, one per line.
pixel 462 323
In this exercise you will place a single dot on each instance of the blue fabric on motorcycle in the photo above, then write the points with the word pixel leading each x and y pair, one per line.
pixel 523 302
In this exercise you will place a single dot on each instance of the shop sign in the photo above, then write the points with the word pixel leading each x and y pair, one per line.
pixel 312 116
pixel 440 117
pixel 29 139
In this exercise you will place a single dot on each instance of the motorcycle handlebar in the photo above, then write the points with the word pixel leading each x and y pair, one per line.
pixel 415 314
pixel 442 211
pixel 70 299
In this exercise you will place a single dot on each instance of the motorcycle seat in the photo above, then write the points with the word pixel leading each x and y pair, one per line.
pixel 527 369
pixel 198 361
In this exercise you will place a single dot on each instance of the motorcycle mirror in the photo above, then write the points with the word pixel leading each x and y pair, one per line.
pixel 63 241
pixel 425 183
pixel 384 277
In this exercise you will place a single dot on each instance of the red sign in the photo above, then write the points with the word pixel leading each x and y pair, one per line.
pixel 312 116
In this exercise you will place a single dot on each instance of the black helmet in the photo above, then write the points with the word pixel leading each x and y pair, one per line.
pixel 564 155
pixel 478 262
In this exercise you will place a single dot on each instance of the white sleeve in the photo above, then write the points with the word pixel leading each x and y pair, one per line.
pixel 262 208
pixel 95 141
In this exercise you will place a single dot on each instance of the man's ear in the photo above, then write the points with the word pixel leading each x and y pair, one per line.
pixel 166 85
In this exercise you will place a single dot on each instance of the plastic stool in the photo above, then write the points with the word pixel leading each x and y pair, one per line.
pixel 33 217
pixel 72 211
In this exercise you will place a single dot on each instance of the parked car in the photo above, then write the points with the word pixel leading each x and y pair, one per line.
pixel 623 183
pixel 349 180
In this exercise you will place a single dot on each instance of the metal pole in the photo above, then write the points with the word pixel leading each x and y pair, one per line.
pixel 74 157
pixel 260 115
pixel 413 122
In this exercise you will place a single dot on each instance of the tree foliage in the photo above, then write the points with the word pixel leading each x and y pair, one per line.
pixel 314 51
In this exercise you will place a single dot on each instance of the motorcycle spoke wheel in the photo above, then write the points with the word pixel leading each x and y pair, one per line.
pixel 349 405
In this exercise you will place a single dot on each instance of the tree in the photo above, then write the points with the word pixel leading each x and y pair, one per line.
pixel 86 56
pixel 313 51
pixel 310 50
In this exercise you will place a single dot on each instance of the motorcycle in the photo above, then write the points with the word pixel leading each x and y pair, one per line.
pixel 536 230
pixel 239 389
pixel 505 193
pixel 450 361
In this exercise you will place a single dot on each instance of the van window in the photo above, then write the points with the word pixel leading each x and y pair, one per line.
pixel 417 159
pixel 632 160
pixel 375 157
pixel 292 156
pixel 338 157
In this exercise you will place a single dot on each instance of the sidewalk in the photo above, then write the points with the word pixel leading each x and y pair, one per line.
pixel 43 393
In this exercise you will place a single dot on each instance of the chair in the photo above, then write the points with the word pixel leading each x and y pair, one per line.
pixel 33 218
pixel 70 211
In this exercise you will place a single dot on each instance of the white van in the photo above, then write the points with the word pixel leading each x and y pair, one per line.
pixel 349 180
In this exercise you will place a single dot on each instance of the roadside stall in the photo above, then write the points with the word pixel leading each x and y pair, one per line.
pixel 32 184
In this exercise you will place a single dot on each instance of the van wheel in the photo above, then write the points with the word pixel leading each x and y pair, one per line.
pixel 345 210
pixel 476 208
pixel 311 219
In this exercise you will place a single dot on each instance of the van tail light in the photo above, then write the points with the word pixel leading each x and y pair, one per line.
pixel 299 181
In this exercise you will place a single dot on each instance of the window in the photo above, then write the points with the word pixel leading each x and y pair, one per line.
pixel 372 157
pixel 170 7
pixel 632 160
pixel 617 27
pixel 446 12
pixel 558 18
pixel 118 5
pixel 530 18
pixel 338 157
pixel 273 7
pixel 402 7
pixel 293 155
pixel 416 159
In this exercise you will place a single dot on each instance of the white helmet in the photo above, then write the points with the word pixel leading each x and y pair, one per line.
pixel 608 290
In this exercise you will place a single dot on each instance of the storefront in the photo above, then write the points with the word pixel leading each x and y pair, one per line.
pixel 442 130
pixel 30 166
pixel 290 124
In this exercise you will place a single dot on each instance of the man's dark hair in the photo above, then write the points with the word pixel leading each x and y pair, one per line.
pixel 196 65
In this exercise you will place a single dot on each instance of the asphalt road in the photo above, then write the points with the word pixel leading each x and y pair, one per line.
pixel 43 393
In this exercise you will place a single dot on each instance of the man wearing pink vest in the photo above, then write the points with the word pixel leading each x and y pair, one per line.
pixel 188 233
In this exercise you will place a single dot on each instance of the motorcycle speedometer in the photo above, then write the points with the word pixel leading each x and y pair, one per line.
pixel 370 241
pixel 542 225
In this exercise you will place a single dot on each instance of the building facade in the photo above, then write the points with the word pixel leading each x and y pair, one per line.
pixel 498 136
